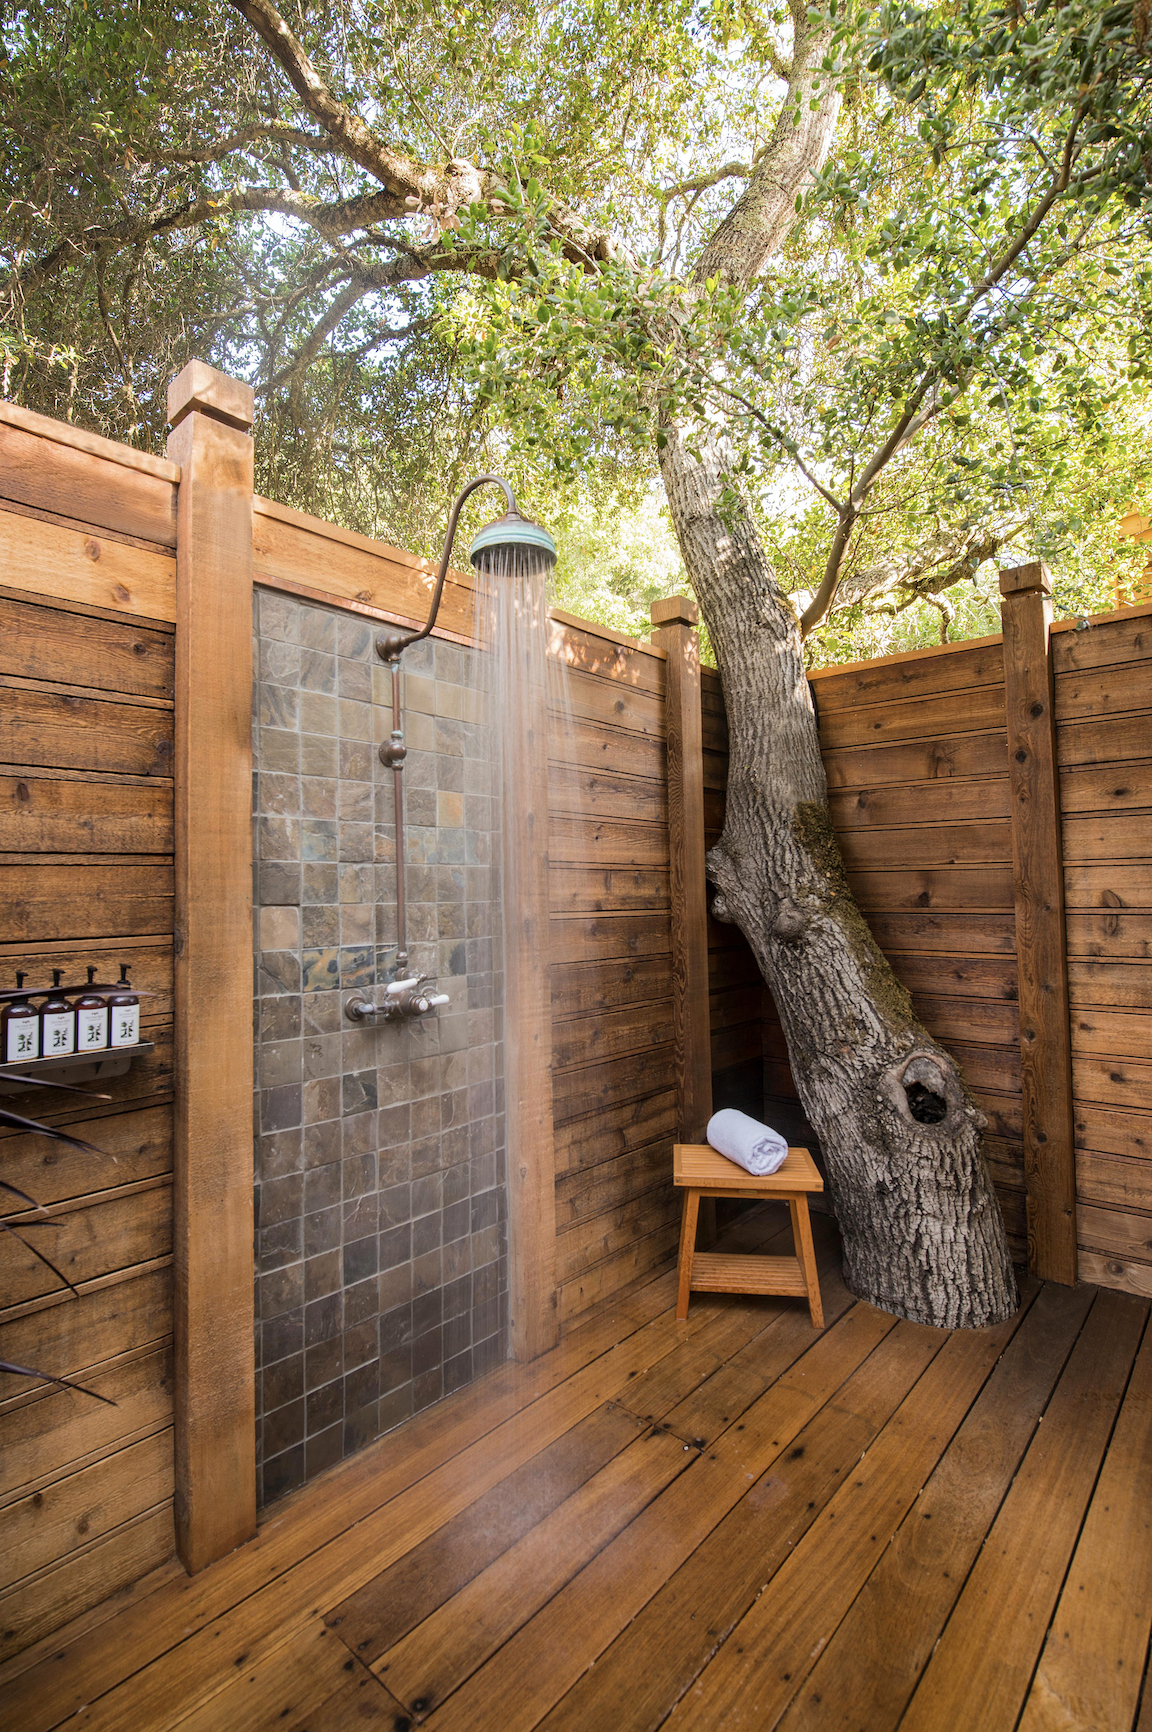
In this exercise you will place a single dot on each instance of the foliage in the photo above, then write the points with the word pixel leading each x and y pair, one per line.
pixel 949 350
pixel 18 1122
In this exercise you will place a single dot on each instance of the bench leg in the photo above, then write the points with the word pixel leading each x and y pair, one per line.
pixel 806 1252
pixel 687 1248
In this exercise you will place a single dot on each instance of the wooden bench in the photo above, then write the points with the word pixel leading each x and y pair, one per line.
pixel 704 1173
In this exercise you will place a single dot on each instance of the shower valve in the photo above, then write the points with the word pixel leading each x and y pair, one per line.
pixel 404 1000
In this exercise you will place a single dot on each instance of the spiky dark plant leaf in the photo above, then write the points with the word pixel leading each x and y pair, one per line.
pixel 47 1377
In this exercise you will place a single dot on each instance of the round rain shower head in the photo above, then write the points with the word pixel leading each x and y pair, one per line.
pixel 513 546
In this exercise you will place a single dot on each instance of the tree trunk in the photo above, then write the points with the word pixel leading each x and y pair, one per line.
pixel 900 1133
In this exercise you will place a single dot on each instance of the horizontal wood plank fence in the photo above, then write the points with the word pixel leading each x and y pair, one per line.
pixel 916 749
pixel 917 754
pixel 87 683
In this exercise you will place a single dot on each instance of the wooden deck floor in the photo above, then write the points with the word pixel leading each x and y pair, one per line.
pixel 733 1522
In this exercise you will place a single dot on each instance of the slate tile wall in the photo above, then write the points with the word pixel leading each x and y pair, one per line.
pixel 381 1256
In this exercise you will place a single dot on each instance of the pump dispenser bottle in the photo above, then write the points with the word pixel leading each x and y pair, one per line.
pixel 91 1019
pixel 125 1011
pixel 57 1022
pixel 21 1028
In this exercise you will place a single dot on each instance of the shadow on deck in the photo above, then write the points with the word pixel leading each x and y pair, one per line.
pixel 733 1522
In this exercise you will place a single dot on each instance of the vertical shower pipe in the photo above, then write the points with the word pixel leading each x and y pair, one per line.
pixel 393 754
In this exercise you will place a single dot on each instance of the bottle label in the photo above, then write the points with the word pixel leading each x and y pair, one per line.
pixel 91 1029
pixel 125 1025
pixel 23 1039
pixel 59 1034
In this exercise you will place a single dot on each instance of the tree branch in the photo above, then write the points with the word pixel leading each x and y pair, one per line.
pixel 702 182
pixel 764 213
pixel 271 132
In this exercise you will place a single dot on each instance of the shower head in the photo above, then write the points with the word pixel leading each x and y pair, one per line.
pixel 513 546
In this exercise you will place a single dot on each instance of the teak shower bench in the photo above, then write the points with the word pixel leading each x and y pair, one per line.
pixel 701 1172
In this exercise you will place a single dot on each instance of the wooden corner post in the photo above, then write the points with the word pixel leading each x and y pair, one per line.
pixel 1041 955
pixel 529 1137
pixel 215 1504
pixel 675 621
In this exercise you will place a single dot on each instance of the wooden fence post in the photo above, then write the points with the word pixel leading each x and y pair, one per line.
pixel 1041 954
pixel 675 620
pixel 215 1447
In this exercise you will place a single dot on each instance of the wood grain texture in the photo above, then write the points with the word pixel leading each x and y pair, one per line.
pixel 582 940
pixel 41 815
pixel 215 1401
pixel 89 1574
pixel 613 1132
pixel 43 902
pixel 946 800
pixel 676 634
pixel 322 558
pixel 61 730
pixel 580 988
pixel 833 1502
pixel 1041 954
pixel 605 1034
pixel 46 643
pixel 970 711
pixel 972 843
pixel 54 1430
pixel 134 1145
pixel 53 467
pixel 43 1528
pixel 983 1665
pixel 46 559
pixel 89 1236
pixel 889 679
pixel 945 756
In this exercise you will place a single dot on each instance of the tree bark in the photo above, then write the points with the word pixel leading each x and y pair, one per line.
pixel 900 1133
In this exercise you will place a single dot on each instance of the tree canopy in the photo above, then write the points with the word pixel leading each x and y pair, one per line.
pixel 434 234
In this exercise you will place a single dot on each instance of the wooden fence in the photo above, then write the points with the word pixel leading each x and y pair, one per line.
pixel 87 638
pixel 107 736
pixel 916 748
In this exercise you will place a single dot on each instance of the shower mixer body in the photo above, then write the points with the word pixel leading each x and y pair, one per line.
pixel 404 1001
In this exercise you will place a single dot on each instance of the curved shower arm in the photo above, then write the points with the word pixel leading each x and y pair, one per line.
pixel 390 647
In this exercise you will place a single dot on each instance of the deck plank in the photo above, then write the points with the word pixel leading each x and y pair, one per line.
pixel 424 1668
pixel 736 1520
pixel 764 1663
pixel 640 1678
pixel 399 1598
pixel 983 1665
pixel 543 1659
pixel 78 1673
pixel 864 1679
pixel 1090 1670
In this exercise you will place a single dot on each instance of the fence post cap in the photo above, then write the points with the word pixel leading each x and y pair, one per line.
pixel 199 386
pixel 675 610
pixel 1026 579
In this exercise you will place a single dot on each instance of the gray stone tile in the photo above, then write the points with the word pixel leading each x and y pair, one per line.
pixel 395 1141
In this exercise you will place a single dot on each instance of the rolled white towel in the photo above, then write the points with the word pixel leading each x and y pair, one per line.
pixel 746 1141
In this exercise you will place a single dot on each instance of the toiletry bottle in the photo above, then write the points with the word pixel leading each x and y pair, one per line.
pixel 91 1019
pixel 57 1022
pixel 125 1008
pixel 21 1028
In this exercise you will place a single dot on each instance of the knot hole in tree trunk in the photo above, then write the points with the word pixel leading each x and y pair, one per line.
pixel 926 1091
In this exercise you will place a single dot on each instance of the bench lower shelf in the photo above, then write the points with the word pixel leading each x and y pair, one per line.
pixel 713 1272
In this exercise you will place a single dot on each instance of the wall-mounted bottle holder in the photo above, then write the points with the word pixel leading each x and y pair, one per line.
pixel 74 1034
